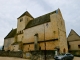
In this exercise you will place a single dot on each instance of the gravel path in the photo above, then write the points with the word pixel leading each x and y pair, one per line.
pixel 14 58
pixel 76 58
pixel 11 58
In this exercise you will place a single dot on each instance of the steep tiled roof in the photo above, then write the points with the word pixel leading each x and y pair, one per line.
pixel 12 33
pixel 73 36
pixel 74 32
pixel 39 20
pixel 26 13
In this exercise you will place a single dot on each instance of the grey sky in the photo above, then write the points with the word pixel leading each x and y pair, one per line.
pixel 10 10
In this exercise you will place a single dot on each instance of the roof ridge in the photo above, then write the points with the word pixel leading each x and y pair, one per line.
pixel 39 20
pixel 26 12
pixel 74 32
pixel 46 14
pixel 12 33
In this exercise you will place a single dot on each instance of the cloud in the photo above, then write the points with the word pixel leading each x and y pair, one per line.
pixel 44 5
pixel 10 10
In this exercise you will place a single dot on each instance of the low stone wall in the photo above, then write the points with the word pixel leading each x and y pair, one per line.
pixel 40 55
pixel 11 53
pixel 75 52
pixel 34 55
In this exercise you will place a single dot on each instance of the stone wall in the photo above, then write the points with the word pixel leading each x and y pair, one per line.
pixel 74 45
pixel 55 29
pixel 75 52
pixel 11 53
pixel 7 43
pixel 40 55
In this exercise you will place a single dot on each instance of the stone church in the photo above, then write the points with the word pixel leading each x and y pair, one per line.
pixel 46 32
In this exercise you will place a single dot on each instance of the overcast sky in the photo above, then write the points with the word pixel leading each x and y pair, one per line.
pixel 10 10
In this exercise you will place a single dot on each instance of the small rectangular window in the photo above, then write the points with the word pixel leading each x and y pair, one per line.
pixel 47 24
pixel 78 46
pixel 69 46
pixel 21 19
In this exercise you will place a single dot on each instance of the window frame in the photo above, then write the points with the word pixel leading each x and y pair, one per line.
pixel 21 19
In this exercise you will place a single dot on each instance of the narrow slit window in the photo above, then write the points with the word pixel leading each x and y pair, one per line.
pixel 78 46
pixel 21 19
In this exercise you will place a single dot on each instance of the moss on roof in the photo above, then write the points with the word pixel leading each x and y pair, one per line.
pixel 39 20
pixel 11 34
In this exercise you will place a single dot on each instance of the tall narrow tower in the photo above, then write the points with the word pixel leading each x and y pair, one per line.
pixel 23 20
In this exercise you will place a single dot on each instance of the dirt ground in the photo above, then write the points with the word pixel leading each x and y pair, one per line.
pixel 14 58
pixel 76 58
